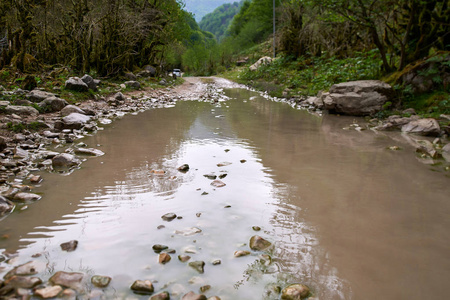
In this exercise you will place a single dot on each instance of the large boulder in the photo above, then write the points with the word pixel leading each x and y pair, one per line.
pixel 90 82
pixel 21 110
pixel 262 61
pixel 151 70
pixel 67 110
pixel 38 96
pixel 133 84
pixel 358 98
pixel 426 126
pixel 75 121
pixel 76 84
pixel 53 104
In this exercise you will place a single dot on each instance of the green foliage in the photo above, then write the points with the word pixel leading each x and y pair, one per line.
pixel 308 76
pixel 219 20
pixel 202 7
pixel 16 127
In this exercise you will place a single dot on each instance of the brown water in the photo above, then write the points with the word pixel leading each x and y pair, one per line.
pixel 348 218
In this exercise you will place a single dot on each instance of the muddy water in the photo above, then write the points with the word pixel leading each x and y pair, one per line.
pixel 347 217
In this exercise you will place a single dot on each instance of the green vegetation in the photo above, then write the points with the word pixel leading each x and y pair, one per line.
pixel 202 7
pixel 220 19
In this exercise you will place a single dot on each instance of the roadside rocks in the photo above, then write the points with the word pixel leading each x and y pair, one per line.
pixel 133 84
pixel 262 61
pixel 357 98
pixel 423 127
pixel 74 121
pixel 53 104
pixel 76 84
pixel 65 160
pixel 67 110
pixel 21 110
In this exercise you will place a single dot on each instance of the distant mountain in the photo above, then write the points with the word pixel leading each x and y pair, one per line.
pixel 203 7
pixel 218 21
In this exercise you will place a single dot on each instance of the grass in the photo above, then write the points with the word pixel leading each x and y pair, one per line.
pixel 308 76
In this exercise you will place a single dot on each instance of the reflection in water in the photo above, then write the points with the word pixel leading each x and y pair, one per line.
pixel 347 217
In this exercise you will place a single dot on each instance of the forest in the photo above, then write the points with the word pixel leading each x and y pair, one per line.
pixel 318 43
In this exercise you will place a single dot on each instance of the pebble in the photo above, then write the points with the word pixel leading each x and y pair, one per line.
pixel 69 246
pixel 184 258
pixel 100 281
pixel 168 217
pixel 142 286
pixel 198 265
pixel 241 253
pixel 164 258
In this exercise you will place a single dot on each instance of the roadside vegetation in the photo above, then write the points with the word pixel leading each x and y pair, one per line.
pixel 320 43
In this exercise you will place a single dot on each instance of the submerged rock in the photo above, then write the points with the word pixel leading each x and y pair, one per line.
pixel 164 258
pixel 257 243
pixel 198 265
pixel 295 292
pixel 69 246
pixel 71 280
pixel 161 296
pixel 241 253
pixel 184 258
pixel 184 168
pixel 48 292
pixel 22 282
pixel 218 183
pixel 30 268
pixel 168 217
pixel 158 248
pixel 188 231
pixel 193 296
pixel 26 197
pixel 89 151
pixel 142 287
pixel 100 281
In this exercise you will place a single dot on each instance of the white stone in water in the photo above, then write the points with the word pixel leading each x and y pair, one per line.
pixel 188 231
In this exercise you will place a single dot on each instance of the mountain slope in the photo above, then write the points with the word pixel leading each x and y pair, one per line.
pixel 202 7
pixel 218 21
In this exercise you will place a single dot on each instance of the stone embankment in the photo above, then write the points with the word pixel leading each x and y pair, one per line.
pixel 368 97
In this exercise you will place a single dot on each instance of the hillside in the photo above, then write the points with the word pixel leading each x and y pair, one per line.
pixel 202 7
pixel 218 21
